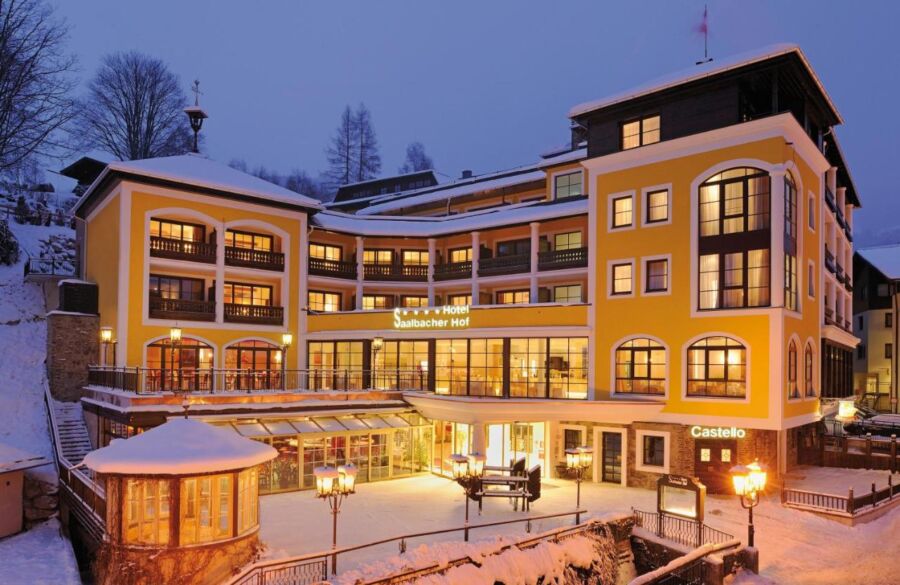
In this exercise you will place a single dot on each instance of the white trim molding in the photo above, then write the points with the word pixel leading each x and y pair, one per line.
pixel 639 450
pixel 645 275
pixel 610 211
pixel 645 207
pixel 612 370
pixel 684 369
pixel 610 281
pixel 598 453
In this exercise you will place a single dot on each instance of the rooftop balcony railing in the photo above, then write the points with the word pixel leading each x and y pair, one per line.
pixel 256 314
pixel 413 272
pixel 161 247
pixel 182 309
pixel 333 268
pixel 453 270
pixel 504 265
pixel 248 258
pixel 559 259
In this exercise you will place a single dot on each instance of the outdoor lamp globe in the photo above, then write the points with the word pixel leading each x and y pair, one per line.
pixel 347 478
pixel 326 480
pixel 460 466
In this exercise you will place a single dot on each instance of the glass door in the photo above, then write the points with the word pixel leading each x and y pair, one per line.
pixel 611 470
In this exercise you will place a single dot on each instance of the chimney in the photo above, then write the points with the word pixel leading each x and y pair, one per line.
pixel 466 174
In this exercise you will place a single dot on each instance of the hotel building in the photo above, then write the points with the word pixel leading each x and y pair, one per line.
pixel 673 289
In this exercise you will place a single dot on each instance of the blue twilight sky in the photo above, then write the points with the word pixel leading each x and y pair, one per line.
pixel 486 85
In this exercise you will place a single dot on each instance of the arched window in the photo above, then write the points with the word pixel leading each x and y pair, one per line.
pixel 791 290
pixel 186 367
pixel 253 365
pixel 793 389
pixel 734 239
pixel 717 367
pixel 808 364
pixel 641 367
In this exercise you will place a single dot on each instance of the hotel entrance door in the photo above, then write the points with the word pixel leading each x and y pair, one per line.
pixel 712 461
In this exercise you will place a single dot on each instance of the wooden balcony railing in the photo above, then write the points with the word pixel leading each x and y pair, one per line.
pixel 829 260
pixel 182 309
pixel 416 272
pixel 254 258
pixel 453 270
pixel 334 268
pixel 258 314
pixel 504 265
pixel 182 250
pixel 558 259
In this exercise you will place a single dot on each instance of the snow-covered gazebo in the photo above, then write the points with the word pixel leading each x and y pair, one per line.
pixel 187 487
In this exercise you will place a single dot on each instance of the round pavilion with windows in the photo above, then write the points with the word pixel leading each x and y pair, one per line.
pixel 182 504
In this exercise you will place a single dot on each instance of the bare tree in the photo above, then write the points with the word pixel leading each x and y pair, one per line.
pixel 368 160
pixel 134 109
pixel 416 159
pixel 340 153
pixel 35 81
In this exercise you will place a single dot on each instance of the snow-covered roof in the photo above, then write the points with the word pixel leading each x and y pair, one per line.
pixel 885 258
pixel 180 446
pixel 388 178
pixel 462 187
pixel 563 157
pixel 13 459
pixel 423 227
pixel 701 71
pixel 199 171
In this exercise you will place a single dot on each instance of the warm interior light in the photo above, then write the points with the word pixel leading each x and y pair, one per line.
pixel 476 464
pixel 749 480
pixel 579 457
pixel 175 334
pixel 287 339
pixel 326 480
pixel 347 478
pixel 734 358
pixel 377 343
pixel 846 409
pixel 106 334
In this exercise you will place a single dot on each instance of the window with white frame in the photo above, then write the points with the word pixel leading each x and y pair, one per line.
pixel 567 185
pixel 567 293
pixel 622 278
pixel 657 275
pixel 567 241
pixel 652 451
pixel 623 211
pixel 640 132
pixel 656 204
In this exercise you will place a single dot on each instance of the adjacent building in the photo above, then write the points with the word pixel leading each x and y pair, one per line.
pixel 673 289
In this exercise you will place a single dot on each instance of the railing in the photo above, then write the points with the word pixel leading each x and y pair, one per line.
pixel 557 259
pixel 336 268
pixel 211 380
pixel 847 284
pixel 848 230
pixel 690 569
pixel 839 214
pixel 850 505
pixel 260 314
pixel 829 260
pixel 416 272
pixel 829 199
pixel 504 265
pixel 680 530
pixel 184 309
pixel 839 272
pixel 452 270
pixel 313 568
pixel 49 267
pixel 248 258
pixel 182 249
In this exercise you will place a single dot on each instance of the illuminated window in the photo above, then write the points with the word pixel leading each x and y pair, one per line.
pixel 567 241
pixel 793 389
pixel 248 294
pixel 378 257
pixel 413 301
pixel 717 367
pixel 459 300
pixel 641 367
pixel 325 252
pixel 461 255
pixel 568 185
pixel 622 279
pixel 176 288
pixel 734 201
pixel 324 302
pixel 726 455
pixel 415 257
pixel 248 500
pixel 146 514
pixel 657 274
pixel 808 365
pixel 733 280
pixel 622 208
pixel 705 455
pixel 176 230
pixel 372 302
pixel 657 206
pixel 248 241
pixel 513 297
pixel 567 293
pixel 640 132
pixel 205 509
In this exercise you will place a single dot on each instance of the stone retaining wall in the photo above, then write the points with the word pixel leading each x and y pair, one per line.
pixel 73 344
pixel 40 500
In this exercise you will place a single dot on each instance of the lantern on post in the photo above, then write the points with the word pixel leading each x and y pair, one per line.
pixel 749 481
pixel 106 341
pixel 468 471
pixel 333 485
pixel 287 339
pixel 577 460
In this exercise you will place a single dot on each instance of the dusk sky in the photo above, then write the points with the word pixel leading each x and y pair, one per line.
pixel 486 85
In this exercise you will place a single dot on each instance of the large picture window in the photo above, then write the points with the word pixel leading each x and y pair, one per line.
pixel 640 132
pixel 206 509
pixel 176 288
pixel 324 302
pixel 734 201
pixel 641 367
pixel 717 367
pixel 734 280
pixel 325 252
pixel 249 241
pixel 146 514
pixel 176 230
pixel 257 295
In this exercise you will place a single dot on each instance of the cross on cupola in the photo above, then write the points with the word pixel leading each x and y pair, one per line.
pixel 195 113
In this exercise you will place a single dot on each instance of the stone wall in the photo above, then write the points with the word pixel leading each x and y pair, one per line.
pixel 73 344
pixel 40 500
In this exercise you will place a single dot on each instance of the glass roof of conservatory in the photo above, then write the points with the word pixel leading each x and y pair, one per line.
pixel 261 427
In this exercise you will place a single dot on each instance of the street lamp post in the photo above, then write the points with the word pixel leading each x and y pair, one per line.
pixel 333 485
pixel 377 345
pixel 174 343
pixel 287 339
pixel 749 481
pixel 577 460
pixel 106 341
pixel 468 471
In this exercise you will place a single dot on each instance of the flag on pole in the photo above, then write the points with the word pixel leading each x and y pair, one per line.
pixel 703 27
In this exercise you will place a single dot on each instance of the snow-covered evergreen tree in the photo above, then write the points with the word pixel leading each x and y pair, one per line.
pixel 9 246
pixel 23 210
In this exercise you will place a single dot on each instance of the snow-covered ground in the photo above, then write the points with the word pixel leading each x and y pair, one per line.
pixel 39 556
pixel 795 547
pixel 836 481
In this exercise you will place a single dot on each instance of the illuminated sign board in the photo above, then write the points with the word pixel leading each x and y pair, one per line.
pixel 448 317
pixel 699 432
pixel 679 495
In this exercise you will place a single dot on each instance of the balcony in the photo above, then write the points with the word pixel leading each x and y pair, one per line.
pixel 848 232
pixel 504 265
pixel 182 250
pixel 333 268
pixel 847 284
pixel 255 314
pixel 829 260
pixel 829 199
pixel 415 272
pixel 559 259
pixel 453 270
pixel 839 273
pixel 182 309
pixel 829 314
pixel 248 258
pixel 840 218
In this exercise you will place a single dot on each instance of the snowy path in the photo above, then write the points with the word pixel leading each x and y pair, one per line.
pixel 38 557
pixel 795 547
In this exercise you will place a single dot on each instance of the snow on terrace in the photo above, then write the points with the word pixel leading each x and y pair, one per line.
pixel 40 556
pixel 796 548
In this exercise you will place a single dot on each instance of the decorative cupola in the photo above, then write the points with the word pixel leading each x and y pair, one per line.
pixel 196 114
pixel 182 503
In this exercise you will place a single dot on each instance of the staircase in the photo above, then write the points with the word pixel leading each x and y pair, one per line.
pixel 74 442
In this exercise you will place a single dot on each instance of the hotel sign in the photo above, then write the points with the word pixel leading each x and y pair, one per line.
pixel 699 432
pixel 448 317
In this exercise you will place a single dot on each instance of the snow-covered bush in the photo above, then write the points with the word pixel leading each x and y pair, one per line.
pixel 23 210
pixel 9 246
